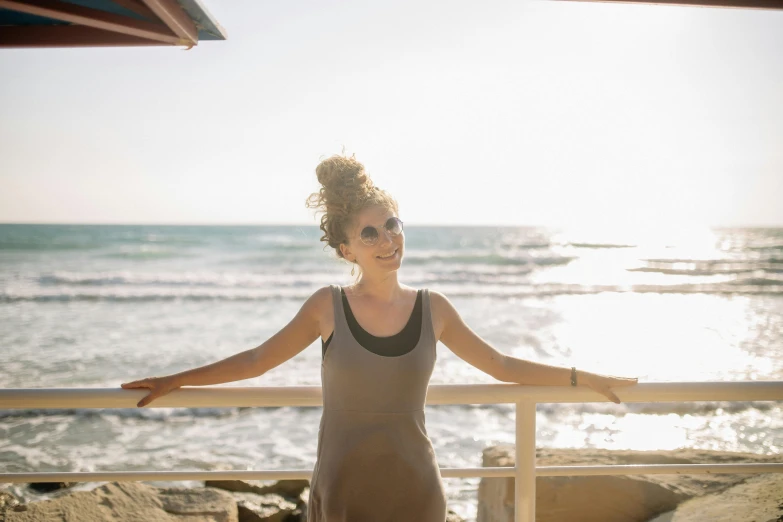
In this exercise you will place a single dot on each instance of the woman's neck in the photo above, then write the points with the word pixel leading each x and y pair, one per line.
pixel 385 289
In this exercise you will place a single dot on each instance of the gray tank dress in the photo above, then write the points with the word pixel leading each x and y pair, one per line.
pixel 375 461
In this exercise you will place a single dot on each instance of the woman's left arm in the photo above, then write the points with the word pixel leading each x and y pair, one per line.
pixel 470 347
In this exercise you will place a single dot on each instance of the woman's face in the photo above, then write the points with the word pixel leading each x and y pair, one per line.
pixel 383 256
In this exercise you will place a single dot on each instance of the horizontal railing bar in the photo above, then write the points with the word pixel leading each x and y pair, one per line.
pixel 496 472
pixel 290 474
pixel 437 394
pixel 130 476
pixel 657 469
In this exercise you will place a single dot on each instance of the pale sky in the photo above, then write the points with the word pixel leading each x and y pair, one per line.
pixel 519 112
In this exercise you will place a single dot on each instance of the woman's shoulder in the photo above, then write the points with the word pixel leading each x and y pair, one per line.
pixel 437 297
pixel 441 310
pixel 320 300
pixel 319 306
pixel 323 295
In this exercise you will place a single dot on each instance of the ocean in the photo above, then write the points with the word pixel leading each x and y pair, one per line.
pixel 95 306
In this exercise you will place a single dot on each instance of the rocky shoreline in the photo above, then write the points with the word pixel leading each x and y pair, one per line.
pixel 638 498
pixel 216 501
pixel 645 498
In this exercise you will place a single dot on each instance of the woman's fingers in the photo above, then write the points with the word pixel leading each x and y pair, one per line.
pixel 143 383
pixel 602 384
pixel 611 396
pixel 146 400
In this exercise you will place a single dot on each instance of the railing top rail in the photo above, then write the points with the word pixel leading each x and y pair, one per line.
pixel 275 396
pixel 488 472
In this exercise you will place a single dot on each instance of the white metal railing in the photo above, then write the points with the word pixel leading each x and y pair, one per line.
pixel 525 397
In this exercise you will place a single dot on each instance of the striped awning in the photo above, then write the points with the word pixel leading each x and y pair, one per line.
pixel 99 23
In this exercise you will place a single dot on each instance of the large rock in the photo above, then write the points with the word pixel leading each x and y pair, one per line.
pixel 758 499
pixel 284 488
pixel 265 508
pixel 605 498
pixel 132 501
pixel 296 491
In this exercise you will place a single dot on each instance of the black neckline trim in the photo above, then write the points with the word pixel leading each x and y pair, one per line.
pixel 395 345
pixel 361 331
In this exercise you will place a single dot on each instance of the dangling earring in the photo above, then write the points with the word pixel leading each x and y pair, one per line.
pixel 353 268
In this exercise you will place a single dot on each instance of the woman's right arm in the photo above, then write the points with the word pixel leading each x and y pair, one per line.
pixel 297 335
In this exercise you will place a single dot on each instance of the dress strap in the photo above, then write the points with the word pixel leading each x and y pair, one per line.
pixel 426 315
pixel 337 305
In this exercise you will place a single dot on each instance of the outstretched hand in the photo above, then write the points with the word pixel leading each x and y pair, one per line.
pixel 158 386
pixel 604 383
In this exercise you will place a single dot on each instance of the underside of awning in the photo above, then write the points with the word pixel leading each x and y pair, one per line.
pixel 110 23
pixel 740 4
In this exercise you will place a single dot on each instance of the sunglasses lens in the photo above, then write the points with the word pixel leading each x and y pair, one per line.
pixel 369 235
pixel 394 226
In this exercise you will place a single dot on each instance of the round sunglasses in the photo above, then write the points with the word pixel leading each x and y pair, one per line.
pixel 370 234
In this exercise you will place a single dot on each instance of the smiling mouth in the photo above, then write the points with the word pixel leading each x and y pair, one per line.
pixel 388 256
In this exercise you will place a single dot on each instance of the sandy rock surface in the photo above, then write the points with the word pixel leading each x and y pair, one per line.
pixel 757 499
pixel 132 501
pixel 636 498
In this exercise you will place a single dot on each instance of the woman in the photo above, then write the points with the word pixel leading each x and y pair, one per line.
pixel 374 458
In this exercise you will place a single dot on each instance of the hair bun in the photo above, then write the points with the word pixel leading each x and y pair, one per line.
pixel 346 189
pixel 341 176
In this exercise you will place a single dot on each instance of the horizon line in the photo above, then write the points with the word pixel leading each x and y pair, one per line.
pixel 316 225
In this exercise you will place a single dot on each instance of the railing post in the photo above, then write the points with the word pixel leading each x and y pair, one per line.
pixel 525 479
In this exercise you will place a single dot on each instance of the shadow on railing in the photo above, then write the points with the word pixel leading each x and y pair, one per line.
pixel 525 398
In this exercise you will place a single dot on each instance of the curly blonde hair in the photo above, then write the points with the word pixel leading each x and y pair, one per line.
pixel 346 190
